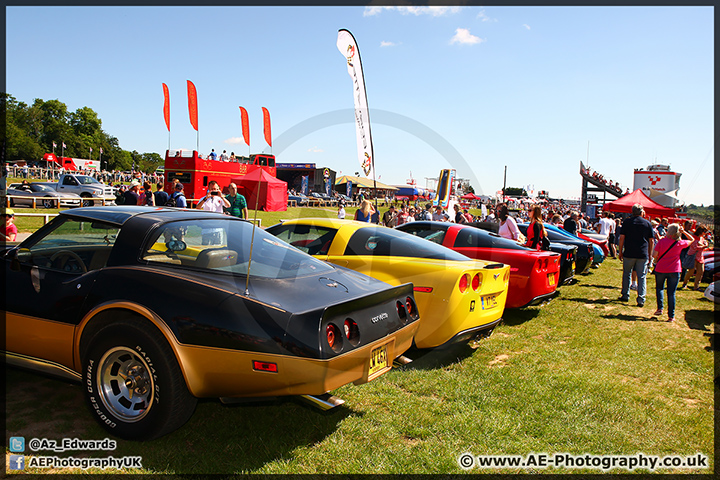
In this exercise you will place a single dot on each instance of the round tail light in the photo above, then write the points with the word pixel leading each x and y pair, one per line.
pixel 352 332
pixel 402 313
pixel 464 282
pixel 333 337
pixel 477 282
pixel 410 307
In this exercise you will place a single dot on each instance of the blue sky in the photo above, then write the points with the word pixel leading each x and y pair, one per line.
pixel 471 88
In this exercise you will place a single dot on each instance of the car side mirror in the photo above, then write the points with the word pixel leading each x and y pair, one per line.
pixel 176 245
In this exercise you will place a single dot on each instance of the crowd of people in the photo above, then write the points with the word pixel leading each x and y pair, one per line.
pixel 105 176
pixel 233 203
pixel 607 183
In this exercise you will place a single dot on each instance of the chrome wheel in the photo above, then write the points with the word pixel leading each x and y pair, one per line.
pixel 125 384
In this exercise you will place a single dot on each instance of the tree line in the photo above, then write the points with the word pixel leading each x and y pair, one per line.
pixel 30 131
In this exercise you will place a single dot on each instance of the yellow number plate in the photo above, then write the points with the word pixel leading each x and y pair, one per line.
pixel 488 301
pixel 551 278
pixel 378 360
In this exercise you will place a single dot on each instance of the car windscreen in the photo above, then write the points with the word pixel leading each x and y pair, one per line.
pixel 384 241
pixel 41 188
pixel 86 180
pixel 224 245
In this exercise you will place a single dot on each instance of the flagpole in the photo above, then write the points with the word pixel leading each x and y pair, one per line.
pixel 252 237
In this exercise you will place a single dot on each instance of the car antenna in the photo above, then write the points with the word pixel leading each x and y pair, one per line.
pixel 252 238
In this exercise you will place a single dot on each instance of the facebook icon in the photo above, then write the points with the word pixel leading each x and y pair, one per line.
pixel 17 462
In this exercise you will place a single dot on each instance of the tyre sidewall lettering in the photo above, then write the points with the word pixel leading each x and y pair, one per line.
pixel 149 362
pixel 96 406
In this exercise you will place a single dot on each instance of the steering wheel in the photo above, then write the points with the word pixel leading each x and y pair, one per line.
pixel 67 253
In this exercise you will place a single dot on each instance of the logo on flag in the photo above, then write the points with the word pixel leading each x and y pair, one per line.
pixel 54 145
pixel 101 150
pixel 350 54
pixel 64 146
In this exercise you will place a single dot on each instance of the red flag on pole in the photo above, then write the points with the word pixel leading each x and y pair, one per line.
pixel 245 125
pixel 192 104
pixel 166 106
pixel 266 126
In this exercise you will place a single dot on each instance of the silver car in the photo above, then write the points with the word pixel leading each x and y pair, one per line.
pixel 48 196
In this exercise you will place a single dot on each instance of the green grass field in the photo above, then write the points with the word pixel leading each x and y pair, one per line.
pixel 584 374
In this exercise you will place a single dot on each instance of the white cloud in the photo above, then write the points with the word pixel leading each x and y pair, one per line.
pixel 388 44
pixel 464 37
pixel 315 150
pixel 526 26
pixel 482 16
pixel 234 140
pixel 435 11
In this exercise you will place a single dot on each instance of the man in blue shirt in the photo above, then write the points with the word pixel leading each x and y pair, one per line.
pixel 179 196
pixel 635 248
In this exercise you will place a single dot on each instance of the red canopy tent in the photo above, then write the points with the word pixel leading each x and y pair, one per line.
pixel 652 208
pixel 470 196
pixel 273 192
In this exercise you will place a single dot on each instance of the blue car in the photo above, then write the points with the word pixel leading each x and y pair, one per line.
pixel 598 255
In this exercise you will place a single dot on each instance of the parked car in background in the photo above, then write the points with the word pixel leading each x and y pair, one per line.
pixel 153 308
pixel 300 199
pixel 534 275
pixel 44 195
pixel 459 298
pixel 598 255
pixel 89 188
pixel 585 251
pixel 712 292
pixel 568 253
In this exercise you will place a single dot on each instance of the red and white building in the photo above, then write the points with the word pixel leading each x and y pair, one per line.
pixel 659 183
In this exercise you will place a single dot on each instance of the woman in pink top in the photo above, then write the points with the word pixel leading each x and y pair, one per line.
pixel 697 247
pixel 667 267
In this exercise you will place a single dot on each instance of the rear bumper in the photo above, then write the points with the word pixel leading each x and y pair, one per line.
pixel 471 333
pixel 216 372
pixel 541 299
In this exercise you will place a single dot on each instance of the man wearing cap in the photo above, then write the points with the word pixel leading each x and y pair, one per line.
pixel 8 232
pixel 132 197
pixel 179 196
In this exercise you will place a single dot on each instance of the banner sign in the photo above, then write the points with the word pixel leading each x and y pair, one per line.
pixel 266 126
pixel 327 186
pixel 245 125
pixel 348 47
pixel 192 104
pixel 348 189
pixel 166 106
pixel 444 189
pixel 304 185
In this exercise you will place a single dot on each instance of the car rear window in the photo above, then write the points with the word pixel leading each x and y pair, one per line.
pixel 384 241
pixel 224 246
pixel 474 237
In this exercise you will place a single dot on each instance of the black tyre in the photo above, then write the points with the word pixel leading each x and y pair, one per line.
pixel 87 201
pixel 133 383
pixel 48 202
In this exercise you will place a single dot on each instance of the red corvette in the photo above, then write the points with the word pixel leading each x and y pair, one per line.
pixel 533 274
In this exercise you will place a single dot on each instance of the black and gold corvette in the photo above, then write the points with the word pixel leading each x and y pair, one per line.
pixel 151 308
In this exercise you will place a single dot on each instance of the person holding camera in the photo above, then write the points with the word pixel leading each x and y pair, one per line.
pixel 213 201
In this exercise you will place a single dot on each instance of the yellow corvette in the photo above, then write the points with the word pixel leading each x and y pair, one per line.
pixel 458 298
